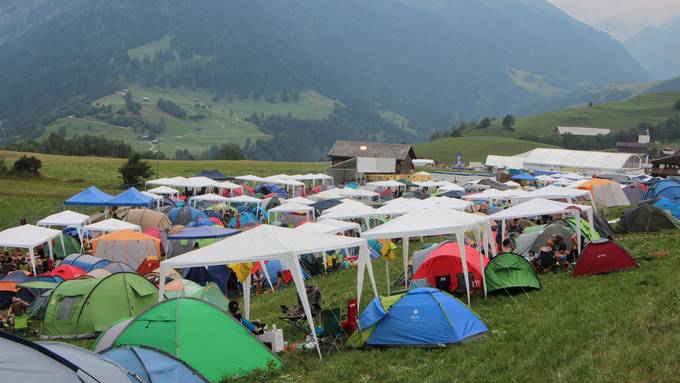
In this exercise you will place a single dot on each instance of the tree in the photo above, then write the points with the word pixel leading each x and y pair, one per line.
pixel 484 123
pixel 508 122
pixel 27 165
pixel 677 105
pixel 134 171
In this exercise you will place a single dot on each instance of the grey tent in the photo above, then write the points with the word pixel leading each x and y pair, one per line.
pixel 534 239
pixel 119 267
pixel 645 218
pixel 26 361
pixel 635 192
pixel 102 369
pixel 609 195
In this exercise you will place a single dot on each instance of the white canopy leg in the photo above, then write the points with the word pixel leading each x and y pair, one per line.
pixel 63 247
pixel 578 233
pixel 161 283
pixel 266 275
pixel 365 264
pixel 591 221
pixel 404 243
pixel 503 229
pixel 296 272
pixel 481 260
pixel 31 256
pixel 246 297
pixel 460 238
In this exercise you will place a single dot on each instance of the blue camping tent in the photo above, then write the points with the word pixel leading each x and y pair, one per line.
pixel 153 365
pixel 665 188
pixel 244 220
pixel 90 197
pixel 524 177
pixel 419 317
pixel 203 232
pixel 85 262
pixel 131 197
pixel 201 222
pixel 182 215
pixel 221 275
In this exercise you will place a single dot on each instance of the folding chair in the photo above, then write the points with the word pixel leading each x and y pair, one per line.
pixel 331 332
pixel 460 277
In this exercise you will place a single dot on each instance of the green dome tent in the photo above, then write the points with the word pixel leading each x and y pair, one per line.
pixel 510 272
pixel 198 333
pixel 84 307
pixel 210 293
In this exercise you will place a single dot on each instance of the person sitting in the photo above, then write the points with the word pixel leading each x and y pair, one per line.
pixel 507 246
pixel 560 248
pixel 546 256
pixel 16 309
pixel 256 327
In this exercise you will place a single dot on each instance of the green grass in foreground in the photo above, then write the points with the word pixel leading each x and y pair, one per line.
pixel 622 115
pixel 63 176
pixel 607 328
pixel 473 148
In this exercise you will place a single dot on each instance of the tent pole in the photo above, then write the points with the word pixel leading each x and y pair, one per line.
pixel 460 238
pixel 478 235
pixel 30 255
pixel 266 275
pixel 503 228
pixel 405 255
pixel 246 297
pixel 578 233
pixel 294 264
pixel 63 247
pixel 161 283
pixel 387 274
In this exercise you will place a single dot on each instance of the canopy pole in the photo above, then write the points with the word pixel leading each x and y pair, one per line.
pixel 365 265
pixel 387 274
pixel 296 271
pixel 460 238
pixel 503 228
pixel 405 255
pixel 578 232
pixel 63 247
pixel 478 236
pixel 161 283
pixel 246 297
pixel 266 275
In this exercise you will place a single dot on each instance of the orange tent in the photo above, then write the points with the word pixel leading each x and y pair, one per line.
pixel 126 246
pixel 588 185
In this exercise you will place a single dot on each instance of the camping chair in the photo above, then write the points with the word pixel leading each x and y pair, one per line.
pixel 460 277
pixel 546 261
pixel 296 315
pixel 331 330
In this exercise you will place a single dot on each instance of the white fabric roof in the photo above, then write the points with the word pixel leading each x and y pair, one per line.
pixel 210 197
pixel 159 181
pixel 545 178
pixel 111 225
pixel 451 187
pixel 386 184
pixel 291 207
pixel 449 203
pixel 64 218
pixel 152 195
pixel 504 162
pixel 282 180
pixel 164 190
pixel 328 194
pixel 359 193
pixel 229 185
pixel 27 236
pixel 349 211
pixel 576 159
pixel 251 178
pixel 553 192
pixel 426 222
pixel 298 200
pixel 328 226
pixel 537 207
pixel 512 183
pixel 262 243
pixel 426 184
pixel 490 194
pixel 244 199
pixel 396 209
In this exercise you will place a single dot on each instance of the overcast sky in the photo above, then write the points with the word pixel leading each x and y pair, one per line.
pixel 621 18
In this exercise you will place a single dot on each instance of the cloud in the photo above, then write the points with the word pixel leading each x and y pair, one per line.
pixel 621 18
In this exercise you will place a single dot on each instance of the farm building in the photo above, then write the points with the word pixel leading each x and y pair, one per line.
pixel 580 131
pixel 352 160
pixel 665 166
pixel 587 162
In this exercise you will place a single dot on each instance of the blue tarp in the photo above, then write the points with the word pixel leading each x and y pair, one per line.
pixel 131 197
pixel 153 365
pixel 203 232
pixel 423 316
pixel 89 197
pixel 524 177
pixel 85 262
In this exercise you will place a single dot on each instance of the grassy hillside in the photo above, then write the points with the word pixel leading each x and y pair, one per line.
pixel 622 115
pixel 63 176
pixel 224 120
pixel 473 148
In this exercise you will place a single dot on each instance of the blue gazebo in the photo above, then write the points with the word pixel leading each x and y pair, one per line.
pixel 90 197
pixel 131 197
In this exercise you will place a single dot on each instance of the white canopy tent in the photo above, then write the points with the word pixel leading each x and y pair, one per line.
pixel 111 225
pixel 333 193
pixel 65 219
pixel 250 178
pixel 538 207
pixel 266 242
pixel 553 192
pixel 292 208
pixel 357 193
pixel 226 185
pixel 451 187
pixel 495 194
pixel 246 199
pixel 29 237
pixel 298 200
pixel 165 190
pixel 433 222
pixel 156 198
pixel 347 210
pixel 389 184
pixel 396 209
pixel 512 184
pixel 329 226
pixel 159 181
pixel 210 197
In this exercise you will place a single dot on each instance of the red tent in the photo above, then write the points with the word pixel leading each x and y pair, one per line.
pixel 148 266
pixel 445 262
pixel 66 272
pixel 603 256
